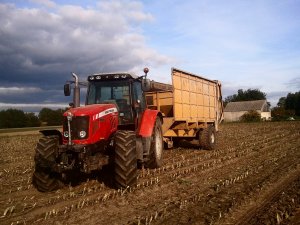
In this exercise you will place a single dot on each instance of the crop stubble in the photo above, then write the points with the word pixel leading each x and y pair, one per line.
pixel 253 177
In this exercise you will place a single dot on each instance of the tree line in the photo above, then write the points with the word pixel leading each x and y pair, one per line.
pixel 247 95
pixel 15 118
pixel 288 106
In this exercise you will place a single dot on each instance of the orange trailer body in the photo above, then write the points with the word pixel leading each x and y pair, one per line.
pixel 189 105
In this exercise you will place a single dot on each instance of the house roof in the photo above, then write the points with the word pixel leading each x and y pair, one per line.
pixel 246 106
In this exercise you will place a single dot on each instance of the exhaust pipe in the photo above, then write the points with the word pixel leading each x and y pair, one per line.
pixel 76 97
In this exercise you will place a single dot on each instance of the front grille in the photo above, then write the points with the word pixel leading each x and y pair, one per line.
pixel 78 123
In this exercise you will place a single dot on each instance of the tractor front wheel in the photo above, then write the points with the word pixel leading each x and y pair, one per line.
pixel 125 160
pixel 43 178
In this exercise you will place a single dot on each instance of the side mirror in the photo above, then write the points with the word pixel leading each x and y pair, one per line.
pixel 146 84
pixel 67 90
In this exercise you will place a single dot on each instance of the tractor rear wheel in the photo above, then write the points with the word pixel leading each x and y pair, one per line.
pixel 207 138
pixel 125 160
pixel 156 148
pixel 43 178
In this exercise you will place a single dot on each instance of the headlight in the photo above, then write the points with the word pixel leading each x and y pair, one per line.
pixel 82 134
pixel 66 134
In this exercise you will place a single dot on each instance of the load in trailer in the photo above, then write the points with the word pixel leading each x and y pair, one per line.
pixel 116 126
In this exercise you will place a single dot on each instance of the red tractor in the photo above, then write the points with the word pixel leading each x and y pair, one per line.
pixel 114 127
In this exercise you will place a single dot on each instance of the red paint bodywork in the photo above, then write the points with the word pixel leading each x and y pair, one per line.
pixel 148 122
pixel 101 125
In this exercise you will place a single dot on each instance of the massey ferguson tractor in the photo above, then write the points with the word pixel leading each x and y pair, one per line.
pixel 114 127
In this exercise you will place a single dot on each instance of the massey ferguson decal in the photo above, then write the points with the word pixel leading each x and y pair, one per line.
pixel 104 113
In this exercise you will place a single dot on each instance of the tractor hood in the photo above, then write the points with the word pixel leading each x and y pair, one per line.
pixel 90 124
pixel 95 111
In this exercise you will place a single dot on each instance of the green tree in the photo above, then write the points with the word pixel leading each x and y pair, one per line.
pixel 15 118
pixel 292 102
pixel 32 120
pixel 12 118
pixel 248 95
pixel 281 102
pixel 289 105
pixel 51 117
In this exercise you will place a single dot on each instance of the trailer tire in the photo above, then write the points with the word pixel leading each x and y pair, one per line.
pixel 125 160
pixel 44 179
pixel 207 138
pixel 156 148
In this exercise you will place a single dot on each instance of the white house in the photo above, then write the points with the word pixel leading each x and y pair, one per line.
pixel 234 110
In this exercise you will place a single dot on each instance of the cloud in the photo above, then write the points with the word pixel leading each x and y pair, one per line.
pixel 40 47
pixel 127 9
pixel 47 3
pixel 32 107
pixel 295 82
pixel 37 44
pixel 238 41
pixel 18 90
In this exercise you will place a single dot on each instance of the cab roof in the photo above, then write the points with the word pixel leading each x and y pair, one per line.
pixel 111 76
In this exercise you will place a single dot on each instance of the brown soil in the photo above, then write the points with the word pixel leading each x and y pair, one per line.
pixel 253 177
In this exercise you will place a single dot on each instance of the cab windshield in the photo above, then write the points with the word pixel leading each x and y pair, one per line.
pixel 104 92
pixel 112 92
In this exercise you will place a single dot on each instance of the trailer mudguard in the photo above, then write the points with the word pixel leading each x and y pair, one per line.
pixel 148 122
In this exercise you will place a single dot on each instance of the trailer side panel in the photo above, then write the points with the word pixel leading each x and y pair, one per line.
pixel 196 99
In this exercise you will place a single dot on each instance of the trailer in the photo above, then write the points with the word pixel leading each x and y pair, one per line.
pixel 192 108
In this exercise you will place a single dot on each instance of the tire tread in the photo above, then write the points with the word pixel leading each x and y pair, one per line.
pixel 125 159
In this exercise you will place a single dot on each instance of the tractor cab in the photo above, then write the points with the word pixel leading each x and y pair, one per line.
pixel 121 89
pixel 124 90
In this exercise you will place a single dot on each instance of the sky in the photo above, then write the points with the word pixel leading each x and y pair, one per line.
pixel 243 44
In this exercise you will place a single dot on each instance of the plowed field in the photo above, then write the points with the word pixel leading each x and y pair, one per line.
pixel 253 177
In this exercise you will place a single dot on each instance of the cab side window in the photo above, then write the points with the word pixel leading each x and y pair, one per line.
pixel 138 95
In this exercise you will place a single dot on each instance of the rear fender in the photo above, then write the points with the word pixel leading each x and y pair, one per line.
pixel 148 122
pixel 52 132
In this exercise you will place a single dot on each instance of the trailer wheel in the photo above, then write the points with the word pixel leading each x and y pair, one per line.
pixel 43 178
pixel 207 138
pixel 125 160
pixel 156 148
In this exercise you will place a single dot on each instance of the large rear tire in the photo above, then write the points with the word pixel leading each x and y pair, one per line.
pixel 125 160
pixel 156 149
pixel 207 138
pixel 43 178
